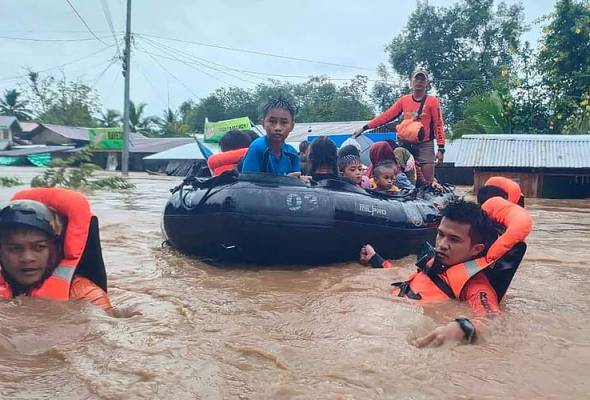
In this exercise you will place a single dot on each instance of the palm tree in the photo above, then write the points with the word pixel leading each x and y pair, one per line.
pixel 110 119
pixel 11 105
pixel 483 114
pixel 139 123
pixel 171 125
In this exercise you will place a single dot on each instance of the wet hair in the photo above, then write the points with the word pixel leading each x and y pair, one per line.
pixel 349 159
pixel 348 150
pixel 378 170
pixel 323 153
pixel 253 135
pixel 281 103
pixel 234 140
pixel 481 229
pixel 303 146
pixel 487 192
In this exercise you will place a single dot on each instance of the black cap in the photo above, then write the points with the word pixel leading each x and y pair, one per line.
pixel 28 213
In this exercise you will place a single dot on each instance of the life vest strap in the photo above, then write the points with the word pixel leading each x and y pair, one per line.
pixel 442 285
pixel 406 291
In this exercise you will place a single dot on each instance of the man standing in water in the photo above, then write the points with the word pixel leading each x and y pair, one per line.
pixel 470 264
pixel 42 248
pixel 425 109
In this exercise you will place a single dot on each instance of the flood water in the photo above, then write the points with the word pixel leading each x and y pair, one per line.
pixel 189 330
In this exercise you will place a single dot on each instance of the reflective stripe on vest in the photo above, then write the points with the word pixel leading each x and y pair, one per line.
pixel 456 277
pixel 75 207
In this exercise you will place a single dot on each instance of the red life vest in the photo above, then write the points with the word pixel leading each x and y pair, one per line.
pixel 509 186
pixel 75 207
pixel 499 263
pixel 225 161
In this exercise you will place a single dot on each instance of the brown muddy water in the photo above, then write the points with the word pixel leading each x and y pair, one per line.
pixel 189 330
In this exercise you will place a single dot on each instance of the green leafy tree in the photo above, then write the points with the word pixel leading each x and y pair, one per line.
pixel 387 90
pixel 77 172
pixel 61 102
pixel 484 114
pixel 12 105
pixel 140 123
pixel 171 125
pixel 464 46
pixel 110 119
pixel 564 62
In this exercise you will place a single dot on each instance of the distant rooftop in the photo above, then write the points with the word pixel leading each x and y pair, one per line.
pixel 525 151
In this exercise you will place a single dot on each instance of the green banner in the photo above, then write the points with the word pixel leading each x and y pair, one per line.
pixel 106 138
pixel 215 130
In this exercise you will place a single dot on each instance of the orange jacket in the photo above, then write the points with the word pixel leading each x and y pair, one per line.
pixel 464 281
pixel 75 207
pixel 508 185
pixel 225 161
pixel 431 116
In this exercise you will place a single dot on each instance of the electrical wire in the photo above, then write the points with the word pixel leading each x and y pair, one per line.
pixel 84 22
pixel 260 53
pixel 108 17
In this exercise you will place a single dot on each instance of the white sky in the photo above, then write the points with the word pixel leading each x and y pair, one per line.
pixel 342 32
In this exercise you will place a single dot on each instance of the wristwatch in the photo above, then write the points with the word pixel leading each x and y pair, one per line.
pixel 467 328
pixel 441 149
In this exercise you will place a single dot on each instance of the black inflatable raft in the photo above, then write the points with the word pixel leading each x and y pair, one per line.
pixel 262 219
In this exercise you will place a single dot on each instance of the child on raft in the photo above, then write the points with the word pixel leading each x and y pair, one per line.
pixel 351 168
pixel 270 154
pixel 384 177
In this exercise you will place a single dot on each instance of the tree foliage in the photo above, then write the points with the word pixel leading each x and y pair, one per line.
pixel 62 102
pixel 564 62
pixel 12 105
pixel 77 172
pixel 464 46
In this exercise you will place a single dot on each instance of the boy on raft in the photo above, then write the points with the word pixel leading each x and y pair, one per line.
pixel 50 248
pixel 470 262
pixel 270 154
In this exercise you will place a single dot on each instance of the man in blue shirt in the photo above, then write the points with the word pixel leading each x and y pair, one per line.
pixel 270 154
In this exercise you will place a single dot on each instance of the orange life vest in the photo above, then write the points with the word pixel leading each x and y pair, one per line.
pixel 225 161
pixel 75 207
pixel 509 186
pixel 499 263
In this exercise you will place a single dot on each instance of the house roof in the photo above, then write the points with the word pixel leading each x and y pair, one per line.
pixel 141 144
pixel 6 120
pixel 302 130
pixel 525 151
pixel 27 127
pixel 26 151
pixel 69 132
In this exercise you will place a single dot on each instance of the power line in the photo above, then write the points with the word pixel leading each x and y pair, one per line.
pixel 61 65
pixel 249 72
pixel 260 53
pixel 84 22
pixel 171 74
pixel 108 17
pixel 52 40
pixel 170 50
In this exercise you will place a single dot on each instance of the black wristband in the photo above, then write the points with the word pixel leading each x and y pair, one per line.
pixel 365 127
pixel 467 328
pixel 376 261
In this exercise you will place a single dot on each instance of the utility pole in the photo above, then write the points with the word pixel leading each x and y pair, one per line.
pixel 126 74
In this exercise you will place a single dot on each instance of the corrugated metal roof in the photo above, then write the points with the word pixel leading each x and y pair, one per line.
pixel 28 126
pixel 525 151
pixel 69 132
pixel 302 130
pixel 141 144
pixel 7 120
pixel 34 150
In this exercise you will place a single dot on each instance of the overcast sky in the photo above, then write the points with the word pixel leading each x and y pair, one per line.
pixel 166 72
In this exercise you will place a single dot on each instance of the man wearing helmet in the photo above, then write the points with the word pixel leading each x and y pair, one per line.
pixel 39 257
